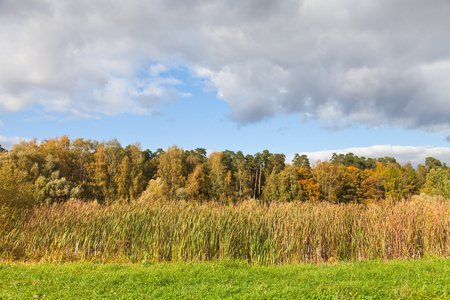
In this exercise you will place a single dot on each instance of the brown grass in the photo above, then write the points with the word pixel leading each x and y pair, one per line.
pixel 276 234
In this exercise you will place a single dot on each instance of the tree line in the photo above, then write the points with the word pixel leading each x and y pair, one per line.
pixel 58 169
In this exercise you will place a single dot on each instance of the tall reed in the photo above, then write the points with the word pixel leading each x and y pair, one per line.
pixel 275 234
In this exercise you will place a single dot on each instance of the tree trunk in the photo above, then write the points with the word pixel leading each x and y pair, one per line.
pixel 256 183
pixel 259 186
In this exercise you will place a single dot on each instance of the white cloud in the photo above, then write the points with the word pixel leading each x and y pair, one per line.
pixel 372 62
pixel 403 154
pixel 8 142
pixel 80 61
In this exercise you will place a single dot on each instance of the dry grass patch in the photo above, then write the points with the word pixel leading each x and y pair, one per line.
pixel 279 233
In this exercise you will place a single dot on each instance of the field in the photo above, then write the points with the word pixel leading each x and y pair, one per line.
pixel 279 233
pixel 249 250
pixel 416 279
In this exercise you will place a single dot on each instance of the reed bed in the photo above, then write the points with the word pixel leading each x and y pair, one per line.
pixel 279 233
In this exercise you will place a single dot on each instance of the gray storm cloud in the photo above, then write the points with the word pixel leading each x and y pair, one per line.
pixel 341 62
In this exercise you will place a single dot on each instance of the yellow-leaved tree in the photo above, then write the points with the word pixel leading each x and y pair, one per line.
pixel 171 172
pixel 16 194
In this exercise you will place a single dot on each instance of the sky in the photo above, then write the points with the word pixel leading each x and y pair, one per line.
pixel 291 76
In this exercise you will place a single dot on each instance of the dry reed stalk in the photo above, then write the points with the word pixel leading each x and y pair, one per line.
pixel 265 234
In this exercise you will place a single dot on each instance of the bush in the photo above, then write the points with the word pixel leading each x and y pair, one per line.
pixel 56 189
pixel 16 196
pixel 154 191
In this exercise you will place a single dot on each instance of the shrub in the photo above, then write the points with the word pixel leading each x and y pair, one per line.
pixel 16 196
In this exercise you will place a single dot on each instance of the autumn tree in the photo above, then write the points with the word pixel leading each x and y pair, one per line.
pixel 242 173
pixel 421 175
pixel 438 182
pixel 221 179
pixel 130 180
pixel 197 183
pixel 137 161
pixel 362 186
pixel 283 186
pixel 412 180
pixel 16 194
pixel 99 172
pixel 192 158
pixel 351 178
pixel 56 189
pixel 263 165
pixel 114 154
pixel 217 176
pixel 59 169
pixel 397 183
pixel 26 157
pixel 327 177
pixel 310 189
pixel 171 171
pixel 123 179
pixel 57 149
pixel 81 153
pixel 371 186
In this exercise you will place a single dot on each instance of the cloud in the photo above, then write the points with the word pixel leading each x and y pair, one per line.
pixel 80 61
pixel 379 63
pixel 403 154
pixel 8 142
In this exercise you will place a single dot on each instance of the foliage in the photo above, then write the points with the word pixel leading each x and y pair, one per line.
pixel 14 191
pixel 328 178
pixel 438 183
pixel 170 171
pixel 283 186
pixel 56 189
pixel 154 191
pixel 60 169
pixel 351 159
pixel 197 184
pixel 16 197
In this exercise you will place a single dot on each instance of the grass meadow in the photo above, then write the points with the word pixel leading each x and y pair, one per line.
pixel 228 279
pixel 249 250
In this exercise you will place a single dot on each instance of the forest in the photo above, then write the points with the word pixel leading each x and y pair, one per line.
pixel 58 169
pixel 76 200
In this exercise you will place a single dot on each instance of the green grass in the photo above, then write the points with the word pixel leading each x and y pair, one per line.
pixel 415 279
